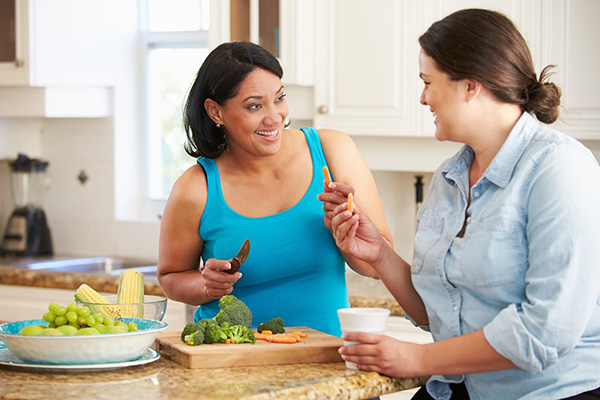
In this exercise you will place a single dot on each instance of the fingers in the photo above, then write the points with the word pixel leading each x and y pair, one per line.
pixel 335 193
pixel 217 281
pixel 344 224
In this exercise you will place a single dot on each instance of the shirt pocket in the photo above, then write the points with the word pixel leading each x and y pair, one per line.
pixel 495 251
pixel 428 234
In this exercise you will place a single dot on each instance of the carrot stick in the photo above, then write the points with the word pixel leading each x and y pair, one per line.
pixel 350 202
pixel 282 338
pixel 299 334
pixel 326 175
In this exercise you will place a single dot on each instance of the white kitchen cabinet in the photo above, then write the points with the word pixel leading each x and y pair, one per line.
pixel 25 302
pixel 366 76
pixel 284 27
pixel 366 70
pixel 571 33
pixel 14 42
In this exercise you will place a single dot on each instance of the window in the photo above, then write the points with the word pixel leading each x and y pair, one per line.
pixel 175 43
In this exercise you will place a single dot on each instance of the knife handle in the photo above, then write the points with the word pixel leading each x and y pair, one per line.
pixel 235 265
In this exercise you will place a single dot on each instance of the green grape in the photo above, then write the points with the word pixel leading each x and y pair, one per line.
pixel 51 332
pixel 121 324
pixel 99 318
pixel 90 320
pixel 31 330
pixel 101 328
pixel 82 320
pixel 132 326
pixel 52 306
pixel 75 324
pixel 60 310
pixel 49 316
pixel 52 324
pixel 72 307
pixel 84 311
pixel 117 329
pixel 60 320
pixel 68 330
pixel 71 316
pixel 109 321
pixel 88 331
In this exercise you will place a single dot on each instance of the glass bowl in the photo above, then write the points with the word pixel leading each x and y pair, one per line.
pixel 80 349
pixel 153 307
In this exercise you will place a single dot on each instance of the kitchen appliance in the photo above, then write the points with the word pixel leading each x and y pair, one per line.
pixel 27 232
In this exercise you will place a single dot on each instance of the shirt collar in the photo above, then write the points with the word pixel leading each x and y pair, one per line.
pixel 503 164
pixel 501 169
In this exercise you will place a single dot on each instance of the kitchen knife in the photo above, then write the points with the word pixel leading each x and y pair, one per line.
pixel 241 257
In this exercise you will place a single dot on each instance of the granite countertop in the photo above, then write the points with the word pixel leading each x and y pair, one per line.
pixel 165 379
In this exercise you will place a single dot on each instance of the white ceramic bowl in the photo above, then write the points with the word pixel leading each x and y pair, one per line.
pixel 153 307
pixel 80 349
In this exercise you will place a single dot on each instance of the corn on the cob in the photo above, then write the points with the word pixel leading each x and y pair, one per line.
pixel 87 294
pixel 131 291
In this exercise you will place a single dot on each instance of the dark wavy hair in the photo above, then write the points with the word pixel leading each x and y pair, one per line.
pixel 486 46
pixel 219 79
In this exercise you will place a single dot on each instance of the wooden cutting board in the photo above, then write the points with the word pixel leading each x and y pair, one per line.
pixel 316 347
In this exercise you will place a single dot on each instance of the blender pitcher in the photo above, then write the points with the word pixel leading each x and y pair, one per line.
pixel 27 232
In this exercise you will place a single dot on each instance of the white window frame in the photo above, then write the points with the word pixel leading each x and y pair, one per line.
pixel 148 41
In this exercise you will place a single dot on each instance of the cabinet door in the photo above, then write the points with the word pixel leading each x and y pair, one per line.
pixel 283 27
pixel 14 46
pixel 366 70
pixel 572 33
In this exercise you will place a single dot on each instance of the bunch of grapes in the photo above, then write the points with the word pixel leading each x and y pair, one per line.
pixel 71 320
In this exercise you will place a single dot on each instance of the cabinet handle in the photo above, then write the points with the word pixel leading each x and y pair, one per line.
pixel 19 63
pixel 323 109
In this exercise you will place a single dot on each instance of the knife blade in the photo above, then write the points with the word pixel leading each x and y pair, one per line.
pixel 240 258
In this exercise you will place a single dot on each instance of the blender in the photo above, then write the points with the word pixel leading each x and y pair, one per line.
pixel 27 232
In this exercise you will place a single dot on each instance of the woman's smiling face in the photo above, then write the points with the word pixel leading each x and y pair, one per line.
pixel 444 98
pixel 254 118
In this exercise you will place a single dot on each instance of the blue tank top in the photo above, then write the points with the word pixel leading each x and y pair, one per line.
pixel 294 269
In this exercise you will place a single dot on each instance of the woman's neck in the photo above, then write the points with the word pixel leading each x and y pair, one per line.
pixel 495 126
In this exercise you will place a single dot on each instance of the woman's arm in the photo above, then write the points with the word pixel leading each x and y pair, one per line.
pixel 180 246
pixel 347 166
pixel 466 354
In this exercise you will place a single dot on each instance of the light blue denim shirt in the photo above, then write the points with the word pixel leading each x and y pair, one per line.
pixel 527 269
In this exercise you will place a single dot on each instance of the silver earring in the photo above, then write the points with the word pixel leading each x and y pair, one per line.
pixel 218 126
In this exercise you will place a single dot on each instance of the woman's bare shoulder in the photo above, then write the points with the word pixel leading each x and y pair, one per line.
pixel 191 186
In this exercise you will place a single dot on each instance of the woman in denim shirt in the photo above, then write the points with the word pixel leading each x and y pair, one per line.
pixel 505 272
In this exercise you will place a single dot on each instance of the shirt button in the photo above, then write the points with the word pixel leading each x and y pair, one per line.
pixel 476 193
pixel 455 308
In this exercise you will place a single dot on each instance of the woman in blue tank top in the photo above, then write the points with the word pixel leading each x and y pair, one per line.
pixel 256 179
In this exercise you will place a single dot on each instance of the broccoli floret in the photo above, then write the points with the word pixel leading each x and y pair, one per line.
pixel 214 334
pixel 275 326
pixel 234 312
pixel 191 328
pixel 195 338
pixel 196 326
pixel 241 334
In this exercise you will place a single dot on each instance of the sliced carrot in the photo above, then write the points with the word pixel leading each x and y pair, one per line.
pixel 350 202
pixel 265 332
pixel 228 341
pixel 326 175
pixel 260 336
pixel 299 334
pixel 282 338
